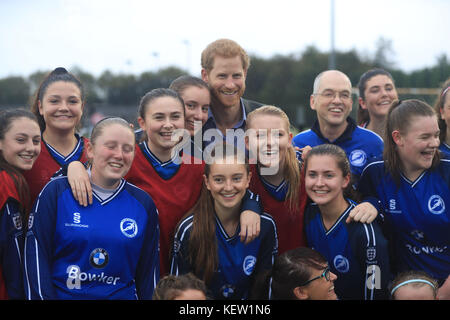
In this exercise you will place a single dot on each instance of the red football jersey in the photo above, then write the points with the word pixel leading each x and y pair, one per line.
pixel 46 166
pixel 7 190
pixel 173 197
pixel 289 223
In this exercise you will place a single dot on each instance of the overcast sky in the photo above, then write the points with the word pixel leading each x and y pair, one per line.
pixel 133 36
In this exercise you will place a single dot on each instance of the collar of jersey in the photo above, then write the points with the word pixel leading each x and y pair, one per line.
pixel 222 231
pixel 278 192
pixel 413 183
pixel 74 155
pixel 165 170
pixel 342 216
pixel 111 197
pixel 345 136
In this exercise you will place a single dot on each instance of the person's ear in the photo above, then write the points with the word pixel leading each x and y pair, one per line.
pixel 204 74
pixel 300 293
pixel 397 137
pixel 312 101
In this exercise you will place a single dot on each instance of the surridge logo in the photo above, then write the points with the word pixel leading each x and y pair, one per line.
pixel 76 221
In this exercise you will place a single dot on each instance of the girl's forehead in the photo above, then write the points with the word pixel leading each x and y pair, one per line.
pixel 418 123
pixel 164 104
pixel 63 86
pixel 322 161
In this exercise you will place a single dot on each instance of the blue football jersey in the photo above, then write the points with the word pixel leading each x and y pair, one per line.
pixel 362 146
pixel 108 250
pixel 239 263
pixel 357 253
pixel 11 246
pixel 417 216
pixel 445 148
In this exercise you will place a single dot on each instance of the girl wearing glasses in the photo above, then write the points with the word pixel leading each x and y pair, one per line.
pixel 357 253
pixel 298 274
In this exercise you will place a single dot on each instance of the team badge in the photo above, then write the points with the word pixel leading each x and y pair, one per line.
pixel 17 220
pixel 249 264
pixel 436 204
pixel 30 220
pixel 176 246
pixel 341 264
pixel 99 258
pixel 357 158
pixel 371 253
pixel 129 227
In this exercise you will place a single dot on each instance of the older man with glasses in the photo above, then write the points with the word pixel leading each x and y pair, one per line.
pixel 332 101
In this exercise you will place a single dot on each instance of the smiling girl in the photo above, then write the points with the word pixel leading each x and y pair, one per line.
pixel 276 177
pixel 357 253
pixel 108 250
pixel 19 147
pixel 58 106
pixel 376 93
pixel 413 185
pixel 207 239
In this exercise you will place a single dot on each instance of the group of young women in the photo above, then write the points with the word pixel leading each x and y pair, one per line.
pixel 105 217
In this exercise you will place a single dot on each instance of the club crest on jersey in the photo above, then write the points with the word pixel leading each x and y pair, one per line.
pixel 99 258
pixel 341 264
pixel 436 204
pixel 128 227
pixel 249 264
pixel 357 158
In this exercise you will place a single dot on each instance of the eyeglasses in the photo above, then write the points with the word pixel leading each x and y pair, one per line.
pixel 330 94
pixel 325 274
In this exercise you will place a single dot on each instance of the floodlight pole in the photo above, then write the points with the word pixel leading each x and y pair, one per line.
pixel 332 57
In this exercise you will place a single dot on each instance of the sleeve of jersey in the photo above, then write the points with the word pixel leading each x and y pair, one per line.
pixel 38 250
pixel 367 188
pixel 268 249
pixel 11 237
pixel 251 201
pixel 180 251
pixel 147 275
pixel 373 253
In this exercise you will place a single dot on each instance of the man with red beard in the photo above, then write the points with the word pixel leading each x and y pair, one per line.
pixel 224 69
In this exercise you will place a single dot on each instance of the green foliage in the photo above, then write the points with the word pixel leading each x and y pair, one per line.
pixel 14 91
pixel 285 81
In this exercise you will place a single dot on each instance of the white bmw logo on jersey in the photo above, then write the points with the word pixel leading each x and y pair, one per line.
pixel 99 258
